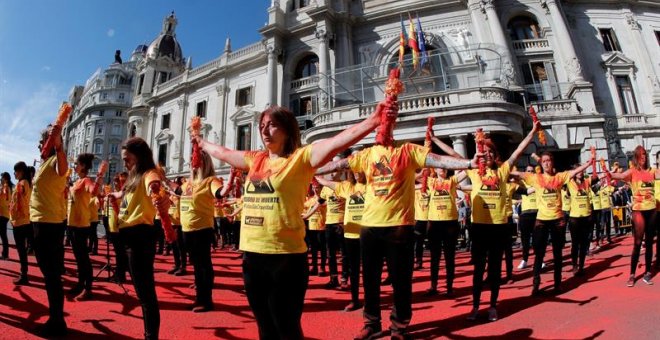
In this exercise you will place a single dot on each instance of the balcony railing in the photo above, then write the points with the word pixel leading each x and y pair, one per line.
pixel 530 45
pixel 304 83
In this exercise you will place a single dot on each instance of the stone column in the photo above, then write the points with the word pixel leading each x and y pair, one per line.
pixel 507 71
pixel 474 7
pixel 458 143
pixel 643 53
pixel 273 52
pixel 571 61
pixel 322 35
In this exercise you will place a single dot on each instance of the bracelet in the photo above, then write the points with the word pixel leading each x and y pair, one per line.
pixel 469 164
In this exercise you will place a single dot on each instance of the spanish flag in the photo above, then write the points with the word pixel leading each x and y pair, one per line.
pixel 412 43
pixel 403 37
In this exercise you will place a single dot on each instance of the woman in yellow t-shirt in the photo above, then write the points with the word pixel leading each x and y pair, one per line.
pixel 179 250
pixel 48 215
pixel 19 215
pixel 275 269
pixel 352 190
pixel 527 218
pixel 79 223
pixel 580 223
pixel 6 187
pixel 112 211
pixel 641 178
pixel 196 205
pixel 140 198
pixel 315 210
pixel 550 217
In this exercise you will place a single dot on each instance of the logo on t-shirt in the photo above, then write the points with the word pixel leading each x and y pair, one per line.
pixel 356 198
pixel 490 187
pixel 259 186
pixel 646 184
pixel 549 191
pixel 382 167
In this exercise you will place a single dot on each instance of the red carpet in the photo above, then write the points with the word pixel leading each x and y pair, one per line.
pixel 598 305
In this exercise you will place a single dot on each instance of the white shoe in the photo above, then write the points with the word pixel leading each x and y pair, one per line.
pixel 543 265
pixel 522 265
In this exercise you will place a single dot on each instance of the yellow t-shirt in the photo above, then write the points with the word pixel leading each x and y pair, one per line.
pixel 489 195
pixel 113 226
pixel 442 199
pixel 175 211
pixel 595 200
pixel 529 202
pixel 79 214
pixel 47 202
pixel 565 200
pixel 421 205
pixel 217 208
pixel 94 209
pixel 642 184
pixel 238 208
pixel 5 197
pixel 317 219
pixel 136 207
pixel 335 210
pixel 196 204
pixel 580 198
pixel 354 197
pixel 605 194
pixel 390 173
pixel 548 194
pixel 657 194
pixel 273 202
pixel 20 212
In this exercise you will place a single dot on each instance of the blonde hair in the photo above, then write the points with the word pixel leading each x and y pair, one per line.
pixel 206 170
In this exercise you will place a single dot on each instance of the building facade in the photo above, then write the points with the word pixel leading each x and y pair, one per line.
pixel 587 67
pixel 99 120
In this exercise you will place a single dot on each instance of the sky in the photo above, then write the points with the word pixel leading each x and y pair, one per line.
pixel 47 47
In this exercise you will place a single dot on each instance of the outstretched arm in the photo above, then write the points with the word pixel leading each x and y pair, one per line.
pixel 621 176
pixel 338 165
pixel 523 145
pixel 450 163
pixel 311 211
pixel 445 148
pixel 580 168
pixel 233 157
pixel 323 152
pixel 326 183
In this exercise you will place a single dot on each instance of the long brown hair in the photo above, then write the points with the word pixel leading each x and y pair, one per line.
pixel 637 153
pixel 144 161
pixel 206 170
pixel 286 121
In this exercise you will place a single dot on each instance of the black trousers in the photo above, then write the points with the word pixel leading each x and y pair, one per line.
pixel 508 248
pixel 94 237
pixel 526 226
pixel 488 242
pixel 317 244
pixel 49 250
pixel 121 259
pixel 556 229
pixel 160 236
pixel 421 228
pixel 198 244
pixel 333 238
pixel 353 260
pixel 579 228
pixel 223 229
pixel 79 242
pixel 275 285
pixel 22 234
pixel 179 250
pixel 345 264
pixel 3 236
pixel 395 245
pixel 443 236
pixel 140 244
pixel 597 224
pixel 606 221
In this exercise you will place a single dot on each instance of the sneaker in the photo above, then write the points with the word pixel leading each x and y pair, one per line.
pixel 535 289
pixel 369 333
pixel 173 270
pixel 431 292
pixel 333 283
pixel 387 281
pixel 399 335
pixel 180 272
pixel 353 306
pixel 52 329
pixel 647 279
pixel 543 265
pixel 323 273
pixel 631 281
pixel 75 291
pixel 343 284
pixel 522 265
pixel 474 313
pixel 202 309
pixel 21 281
pixel 492 314
pixel 418 266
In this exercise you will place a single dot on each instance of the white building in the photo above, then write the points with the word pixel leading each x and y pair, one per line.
pixel 586 66
pixel 99 121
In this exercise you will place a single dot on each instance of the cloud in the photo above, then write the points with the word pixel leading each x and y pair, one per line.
pixel 111 33
pixel 25 116
pixel 45 68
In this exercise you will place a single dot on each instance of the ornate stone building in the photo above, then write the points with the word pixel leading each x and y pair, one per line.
pixel 587 67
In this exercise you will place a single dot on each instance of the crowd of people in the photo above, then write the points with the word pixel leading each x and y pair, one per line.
pixel 361 211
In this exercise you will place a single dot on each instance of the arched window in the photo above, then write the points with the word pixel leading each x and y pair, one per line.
pixel 307 67
pixel 524 27
pixel 133 131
